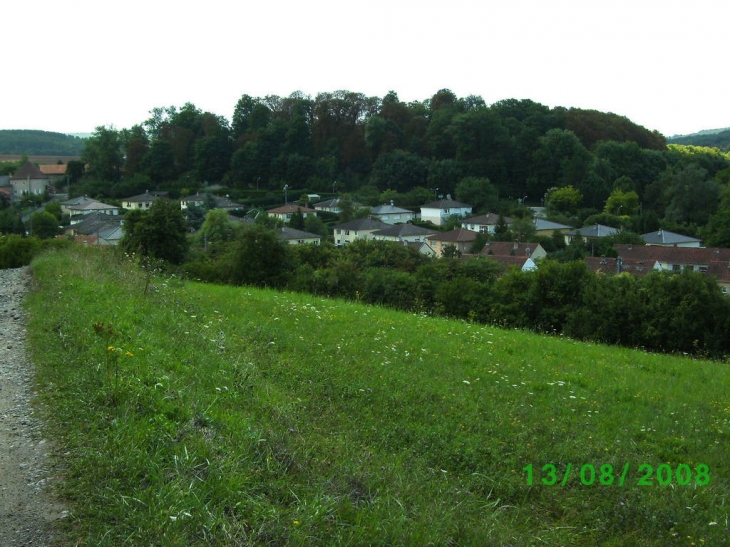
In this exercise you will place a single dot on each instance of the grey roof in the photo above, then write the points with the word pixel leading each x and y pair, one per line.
pixel 388 210
pixel 488 220
pixel 597 230
pixel 542 224
pixel 147 196
pixel 664 237
pixel 362 224
pixel 403 230
pixel 96 223
pixel 445 204
pixel 285 232
pixel 77 200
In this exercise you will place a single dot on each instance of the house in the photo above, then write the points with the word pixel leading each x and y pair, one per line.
pixel 484 224
pixel 211 201
pixel 29 180
pixel 142 201
pixel 74 201
pixel 589 233
pixel 509 248
pixel 670 239
pixel 55 172
pixel 439 211
pixel 390 214
pixel 524 263
pixel 285 212
pixel 87 207
pixel 360 228
pixel 674 259
pixel 611 266
pixel 421 246
pixel 402 232
pixel 329 206
pixel 98 229
pixel 546 227
pixel 297 237
pixel 460 238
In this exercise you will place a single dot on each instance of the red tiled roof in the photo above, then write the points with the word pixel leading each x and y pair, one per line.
pixel 56 169
pixel 290 208
pixel 673 255
pixel 506 248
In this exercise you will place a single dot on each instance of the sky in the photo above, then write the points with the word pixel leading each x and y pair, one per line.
pixel 76 65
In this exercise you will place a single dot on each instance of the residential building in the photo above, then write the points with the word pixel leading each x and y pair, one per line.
pixel 516 248
pixel 485 224
pixel 524 263
pixel 590 233
pixel 360 228
pixel 297 237
pixel 670 239
pixel 546 227
pixel 460 238
pixel 141 201
pixel 98 229
pixel 29 180
pixel 80 210
pixel 403 232
pixel 390 214
pixel 440 211
pixel 285 212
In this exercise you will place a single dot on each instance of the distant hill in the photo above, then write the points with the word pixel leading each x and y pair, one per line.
pixel 715 138
pixel 39 143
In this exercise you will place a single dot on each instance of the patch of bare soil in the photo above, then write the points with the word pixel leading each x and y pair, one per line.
pixel 28 513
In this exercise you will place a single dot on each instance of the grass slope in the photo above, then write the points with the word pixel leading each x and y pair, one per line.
pixel 208 415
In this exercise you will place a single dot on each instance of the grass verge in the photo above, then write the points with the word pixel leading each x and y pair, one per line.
pixel 207 415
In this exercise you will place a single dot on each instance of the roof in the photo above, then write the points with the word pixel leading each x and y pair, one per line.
pixel 362 224
pixel 53 169
pixel 522 262
pixel 490 219
pixel 403 230
pixel 335 202
pixel 76 201
pixel 460 235
pixel 611 266
pixel 542 224
pixel 508 248
pixel 28 171
pixel 91 205
pixel 290 208
pixel 97 224
pixel 388 210
pixel 597 230
pixel 673 255
pixel 147 196
pixel 664 237
pixel 445 204
pixel 291 233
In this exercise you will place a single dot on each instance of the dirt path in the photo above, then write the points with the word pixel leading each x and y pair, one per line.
pixel 27 513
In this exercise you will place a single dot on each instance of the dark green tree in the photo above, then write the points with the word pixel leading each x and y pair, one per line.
pixel 103 155
pixel 159 233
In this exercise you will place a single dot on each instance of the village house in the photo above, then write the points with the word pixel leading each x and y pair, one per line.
pixel 460 239
pixel 78 211
pixel 360 228
pixel 143 201
pixel 440 211
pixel 98 229
pixel 484 224
pixel 547 227
pixel 390 214
pixel 509 248
pixel 297 237
pixel 590 233
pixel 670 239
pixel 29 180
pixel 402 232
pixel 285 212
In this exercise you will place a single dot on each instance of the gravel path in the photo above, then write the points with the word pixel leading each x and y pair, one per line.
pixel 27 512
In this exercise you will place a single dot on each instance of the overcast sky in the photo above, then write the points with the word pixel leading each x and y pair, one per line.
pixel 72 66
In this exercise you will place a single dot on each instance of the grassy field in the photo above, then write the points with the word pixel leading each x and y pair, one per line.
pixel 191 414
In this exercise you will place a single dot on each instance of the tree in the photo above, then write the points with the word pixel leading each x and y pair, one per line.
pixel 103 155
pixel 158 233
pixel 260 258
pixel 622 203
pixel 480 193
pixel 564 200
pixel 690 195
pixel 44 225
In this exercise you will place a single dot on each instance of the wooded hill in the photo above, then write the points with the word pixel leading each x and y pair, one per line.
pixel 719 138
pixel 39 143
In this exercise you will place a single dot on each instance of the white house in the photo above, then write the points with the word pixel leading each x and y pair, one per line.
pixel 439 211
pixel 361 228
pixel 390 214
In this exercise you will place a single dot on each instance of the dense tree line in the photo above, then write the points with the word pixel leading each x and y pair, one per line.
pixel 382 149
pixel 39 143
pixel 709 139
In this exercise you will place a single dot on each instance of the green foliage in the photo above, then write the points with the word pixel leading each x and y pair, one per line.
pixel 39 143
pixel 158 233
pixel 11 222
pixel 260 258
pixel 44 225
pixel 103 155
pixel 202 415
pixel 622 203
pixel 564 200
pixel 481 194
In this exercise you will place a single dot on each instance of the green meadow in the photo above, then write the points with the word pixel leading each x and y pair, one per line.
pixel 190 414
